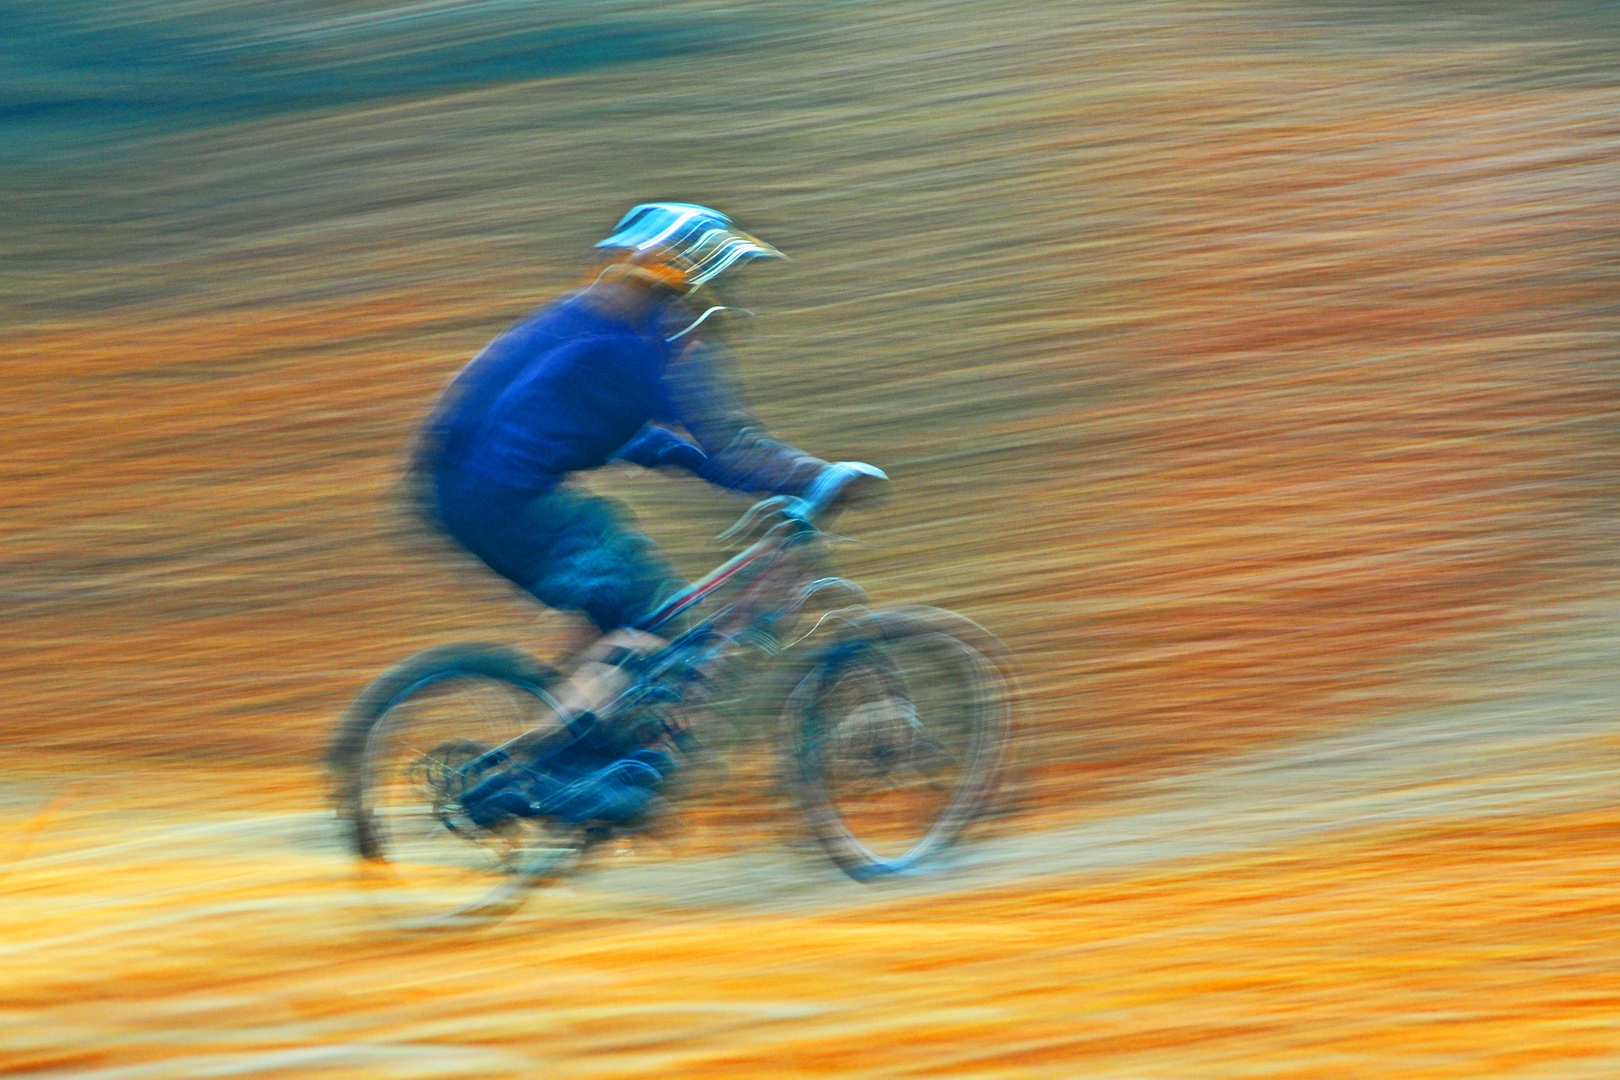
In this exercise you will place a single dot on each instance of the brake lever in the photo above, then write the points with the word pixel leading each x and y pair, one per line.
pixel 789 507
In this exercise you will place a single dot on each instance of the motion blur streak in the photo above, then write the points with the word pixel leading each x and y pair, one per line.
pixel 1249 368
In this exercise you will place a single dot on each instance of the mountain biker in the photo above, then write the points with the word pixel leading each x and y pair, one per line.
pixel 627 368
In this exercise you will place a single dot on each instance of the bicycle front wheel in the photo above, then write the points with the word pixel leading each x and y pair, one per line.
pixel 413 740
pixel 897 733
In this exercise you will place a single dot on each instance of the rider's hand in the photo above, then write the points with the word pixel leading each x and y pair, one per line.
pixel 844 484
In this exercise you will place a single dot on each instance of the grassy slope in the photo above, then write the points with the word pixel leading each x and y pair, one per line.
pixel 1247 371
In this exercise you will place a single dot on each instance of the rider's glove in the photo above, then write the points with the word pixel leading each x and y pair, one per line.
pixel 843 484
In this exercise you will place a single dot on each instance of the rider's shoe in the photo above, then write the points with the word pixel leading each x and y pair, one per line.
pixel 586 780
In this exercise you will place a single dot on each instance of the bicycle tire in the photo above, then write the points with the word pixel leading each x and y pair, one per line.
pixel 387 783
pixel 858 715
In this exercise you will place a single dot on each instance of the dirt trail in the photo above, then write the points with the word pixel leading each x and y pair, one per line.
pixel 208 944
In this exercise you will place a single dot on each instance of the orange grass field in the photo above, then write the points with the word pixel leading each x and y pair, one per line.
pixel 1249 368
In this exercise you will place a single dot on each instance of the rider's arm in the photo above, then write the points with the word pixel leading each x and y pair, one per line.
pixel 704 399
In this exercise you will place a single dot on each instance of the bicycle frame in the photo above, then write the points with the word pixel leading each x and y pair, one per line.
pixel 699 590
pixel 766 597
pixel 704 643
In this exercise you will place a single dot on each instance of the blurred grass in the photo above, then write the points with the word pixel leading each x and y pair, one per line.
pixel 1248 368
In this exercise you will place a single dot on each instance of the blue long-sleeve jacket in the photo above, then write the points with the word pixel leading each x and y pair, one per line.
pixel 576 385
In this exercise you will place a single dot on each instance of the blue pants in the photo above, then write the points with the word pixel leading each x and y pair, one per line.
pixel 568 548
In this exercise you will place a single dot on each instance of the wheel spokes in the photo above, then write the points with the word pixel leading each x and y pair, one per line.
pixel 422 756
pixel 899 736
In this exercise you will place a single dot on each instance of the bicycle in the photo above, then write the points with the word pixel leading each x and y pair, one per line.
pixel 892 731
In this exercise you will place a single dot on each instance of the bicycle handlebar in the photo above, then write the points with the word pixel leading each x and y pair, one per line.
pixel 837 485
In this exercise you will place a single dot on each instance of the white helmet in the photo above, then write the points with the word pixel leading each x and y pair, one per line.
pixel 693 242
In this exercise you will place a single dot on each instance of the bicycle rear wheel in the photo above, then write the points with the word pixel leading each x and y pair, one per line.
pixel 897 734
pixel 407 747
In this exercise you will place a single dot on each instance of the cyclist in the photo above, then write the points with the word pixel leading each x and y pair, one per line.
pixel 627 368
